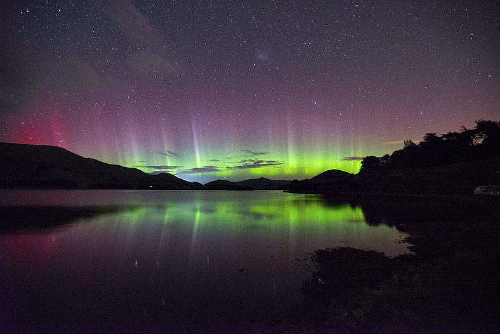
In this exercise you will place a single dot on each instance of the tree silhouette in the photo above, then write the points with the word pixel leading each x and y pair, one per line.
pixel 488 134
pixel 482 142
pixel 370 164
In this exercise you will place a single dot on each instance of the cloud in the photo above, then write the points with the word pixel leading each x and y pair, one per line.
pixel 150 64
pixel 159 167
pixel 198 170
pixel 168 153
pixel 255 164
pixel 150 60
pixel 254 153
pixel 352 158
pixel 397 142
pixel 400 142
pixel 156 172
pixel 88 78
pixel 137 28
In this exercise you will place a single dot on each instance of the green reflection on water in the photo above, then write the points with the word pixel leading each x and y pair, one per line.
pixel 235 212
pixel 297 222
pixel 310 211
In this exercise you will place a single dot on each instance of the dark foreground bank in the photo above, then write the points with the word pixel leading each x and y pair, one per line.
pixel 450 284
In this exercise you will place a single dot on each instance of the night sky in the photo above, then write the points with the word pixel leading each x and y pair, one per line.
pixel 240 89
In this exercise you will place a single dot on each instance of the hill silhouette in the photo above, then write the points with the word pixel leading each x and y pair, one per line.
pixel 224 185
pixel 332 174
pixel 329 181
pixel 263 183
pixel 43 166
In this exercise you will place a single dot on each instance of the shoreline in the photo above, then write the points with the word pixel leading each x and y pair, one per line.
pixel 449 284
pixel 472 199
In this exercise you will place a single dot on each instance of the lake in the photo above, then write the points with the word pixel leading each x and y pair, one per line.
pixel 178 260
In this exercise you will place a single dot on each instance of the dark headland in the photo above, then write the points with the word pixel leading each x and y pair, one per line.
pixel 41 166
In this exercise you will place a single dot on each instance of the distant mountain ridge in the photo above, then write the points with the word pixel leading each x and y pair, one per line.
pixel 455 179
pixel 43 166
pixel 52 167
pixel 332 174
pixel 263 183
pixel 224 185
pixel 327 181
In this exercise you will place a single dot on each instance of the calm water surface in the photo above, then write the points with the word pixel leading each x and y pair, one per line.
pixel 171 259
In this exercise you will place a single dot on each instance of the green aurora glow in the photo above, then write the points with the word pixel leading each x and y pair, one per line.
pixel 287 217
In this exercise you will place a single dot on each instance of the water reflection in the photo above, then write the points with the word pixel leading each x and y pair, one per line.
pixel 176 257
pixel 305 222
pixel 394 211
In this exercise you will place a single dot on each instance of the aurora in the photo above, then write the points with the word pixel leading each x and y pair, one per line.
pixel 216 90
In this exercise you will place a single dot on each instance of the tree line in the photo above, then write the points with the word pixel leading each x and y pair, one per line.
pixel 480 143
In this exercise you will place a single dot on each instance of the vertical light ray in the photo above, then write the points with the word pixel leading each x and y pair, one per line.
pixel 292 163
pixel 165 145
pixel 165 231
pixel 195 141
pixel 292 219
pixel 197 217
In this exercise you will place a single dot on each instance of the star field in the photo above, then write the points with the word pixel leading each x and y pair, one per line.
pixel 237 89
